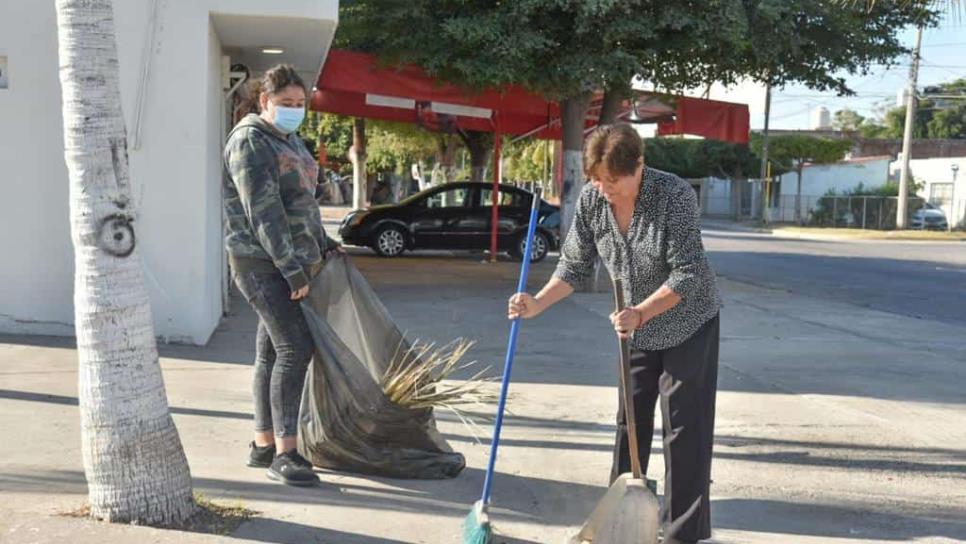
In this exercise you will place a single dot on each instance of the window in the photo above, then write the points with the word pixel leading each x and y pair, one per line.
pixel 451 198
pixel 511 199
pixel 940 194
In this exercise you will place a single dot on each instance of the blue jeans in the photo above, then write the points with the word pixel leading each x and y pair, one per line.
pixel 283 350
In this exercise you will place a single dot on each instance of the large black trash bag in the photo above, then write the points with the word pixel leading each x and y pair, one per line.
pixel 346 422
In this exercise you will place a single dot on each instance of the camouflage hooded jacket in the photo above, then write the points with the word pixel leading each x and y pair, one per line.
pixel 269 202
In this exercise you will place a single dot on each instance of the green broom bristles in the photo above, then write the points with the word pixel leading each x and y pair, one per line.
pixel 476 526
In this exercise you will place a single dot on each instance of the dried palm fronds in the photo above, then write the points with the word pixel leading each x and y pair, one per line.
pixel 419 377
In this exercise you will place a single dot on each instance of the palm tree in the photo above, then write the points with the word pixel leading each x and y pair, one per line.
pixel 136 469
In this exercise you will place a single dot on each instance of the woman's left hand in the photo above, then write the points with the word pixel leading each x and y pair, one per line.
pixel 337 249
pixel 627 321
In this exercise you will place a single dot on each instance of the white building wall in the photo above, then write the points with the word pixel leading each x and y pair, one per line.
pixel 217 128
pixel 929 172
pixel 36 267
pixel 718 198
pixel 818 179
pixel 176 170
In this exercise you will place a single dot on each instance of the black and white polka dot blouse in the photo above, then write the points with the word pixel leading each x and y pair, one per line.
pixel 662 247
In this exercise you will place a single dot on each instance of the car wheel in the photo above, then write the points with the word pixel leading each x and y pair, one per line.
pixel 390 241
pixel 541 246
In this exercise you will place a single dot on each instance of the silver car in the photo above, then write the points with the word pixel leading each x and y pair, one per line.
pixel 929 218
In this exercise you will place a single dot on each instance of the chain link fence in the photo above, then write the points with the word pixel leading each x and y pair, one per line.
pixel 867 212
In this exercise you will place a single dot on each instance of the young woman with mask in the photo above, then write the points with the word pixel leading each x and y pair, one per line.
pixel 276 244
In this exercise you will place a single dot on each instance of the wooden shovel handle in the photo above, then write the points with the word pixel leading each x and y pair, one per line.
pixel 630 417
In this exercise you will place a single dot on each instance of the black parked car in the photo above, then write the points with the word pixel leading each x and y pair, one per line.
pixel 454 216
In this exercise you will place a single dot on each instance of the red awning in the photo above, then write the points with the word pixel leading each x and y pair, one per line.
pixel 711 119
pixel 354 84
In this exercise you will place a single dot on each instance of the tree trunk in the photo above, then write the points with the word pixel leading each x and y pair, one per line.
pixel 446 147
pixel 573 111
pixel 135 467
pixel 358 157
pixel 798 197
pixel 611 105
pixel 736 199
pixel 479 145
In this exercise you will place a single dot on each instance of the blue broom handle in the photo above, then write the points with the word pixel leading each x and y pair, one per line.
pixel 511 348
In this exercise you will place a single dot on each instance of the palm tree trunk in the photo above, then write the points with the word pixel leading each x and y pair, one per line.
pixel 135 467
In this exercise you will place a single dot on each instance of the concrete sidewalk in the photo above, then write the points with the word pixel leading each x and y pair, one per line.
pixel 835 424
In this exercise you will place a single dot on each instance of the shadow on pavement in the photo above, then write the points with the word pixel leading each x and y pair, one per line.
pixel 563 505
pixel 832 521
pixel 72 401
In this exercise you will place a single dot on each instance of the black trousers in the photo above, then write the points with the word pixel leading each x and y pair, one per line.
pixel 685 379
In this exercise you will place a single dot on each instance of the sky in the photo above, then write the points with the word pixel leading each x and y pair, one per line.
pixel 943 59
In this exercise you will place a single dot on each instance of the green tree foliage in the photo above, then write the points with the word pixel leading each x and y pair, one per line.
pixel 693 158
pixel 390 146
pixel 795 151
pixel 335 132
pixel 396 146
pixel 528 160
pixel 940 114
pixel 817 43
pixel 949 118
pixel 558 48
pixel 848 120
pixel 949 123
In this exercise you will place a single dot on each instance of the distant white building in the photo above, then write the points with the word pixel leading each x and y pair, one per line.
pixel 174 63
pixel 821 119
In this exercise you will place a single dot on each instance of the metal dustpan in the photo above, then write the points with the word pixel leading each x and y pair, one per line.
pixel 629 513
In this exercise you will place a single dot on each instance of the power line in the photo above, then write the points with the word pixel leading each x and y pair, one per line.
pixel 799 112
pixel 858 96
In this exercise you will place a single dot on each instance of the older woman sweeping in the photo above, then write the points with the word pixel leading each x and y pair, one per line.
pixel 643 224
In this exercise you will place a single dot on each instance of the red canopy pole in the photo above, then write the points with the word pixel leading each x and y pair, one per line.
pixel 496 186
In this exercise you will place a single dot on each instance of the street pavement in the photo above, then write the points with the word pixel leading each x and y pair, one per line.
pixel 916 279
pixel 838 420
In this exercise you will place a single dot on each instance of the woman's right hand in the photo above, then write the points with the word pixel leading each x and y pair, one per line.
pixel 524 305
pixel 301 293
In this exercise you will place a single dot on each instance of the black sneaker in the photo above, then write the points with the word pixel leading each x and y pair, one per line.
pixel 299 460
pixel 290 468
pixel 261 456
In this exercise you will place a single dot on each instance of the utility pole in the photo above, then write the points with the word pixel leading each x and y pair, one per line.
pixel 765 171
pixel 907 135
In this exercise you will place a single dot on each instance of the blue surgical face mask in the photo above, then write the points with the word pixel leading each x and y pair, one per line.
pixel 288 119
